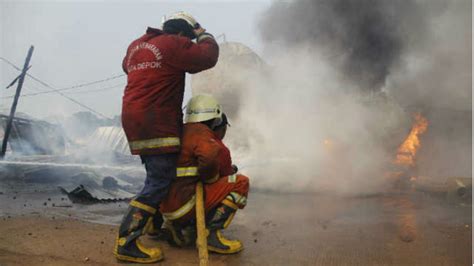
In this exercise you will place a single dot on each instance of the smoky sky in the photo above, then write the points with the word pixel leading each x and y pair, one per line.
pixel 363 38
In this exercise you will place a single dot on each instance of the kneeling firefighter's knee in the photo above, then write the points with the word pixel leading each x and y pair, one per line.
pixel 243 183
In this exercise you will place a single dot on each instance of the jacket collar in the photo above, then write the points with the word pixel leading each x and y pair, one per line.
pixel 155 31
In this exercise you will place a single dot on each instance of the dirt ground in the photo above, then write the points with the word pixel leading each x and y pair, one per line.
pixel 276 229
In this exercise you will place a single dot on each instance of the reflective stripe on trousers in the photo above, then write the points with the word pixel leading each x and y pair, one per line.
pixel 183 210
pixel 186 171
pixel 237 198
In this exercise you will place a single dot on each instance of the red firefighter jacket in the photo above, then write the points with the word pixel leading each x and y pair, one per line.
pixel 151 109
pixel 198 160
pixel 225 161
pixel 199 153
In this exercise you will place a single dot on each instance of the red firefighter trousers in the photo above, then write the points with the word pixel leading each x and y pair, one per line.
pixel 234 187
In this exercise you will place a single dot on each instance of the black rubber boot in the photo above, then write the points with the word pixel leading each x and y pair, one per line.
pixel 155 230
pixel 135 223
pixel 180 235
pixel 216 242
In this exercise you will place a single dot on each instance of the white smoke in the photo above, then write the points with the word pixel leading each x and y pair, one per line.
pixel 310 132
pixel 311 127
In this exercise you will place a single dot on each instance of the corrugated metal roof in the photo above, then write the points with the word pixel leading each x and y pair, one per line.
pixel 110 138
pixel 30 137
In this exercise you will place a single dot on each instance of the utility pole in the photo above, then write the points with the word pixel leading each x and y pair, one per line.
pixel 21 78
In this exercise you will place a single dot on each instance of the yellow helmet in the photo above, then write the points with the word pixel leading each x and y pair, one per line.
pixel 201 108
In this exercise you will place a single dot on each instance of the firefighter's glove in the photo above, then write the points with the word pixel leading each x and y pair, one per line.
pixel 235 168
pixel 203 36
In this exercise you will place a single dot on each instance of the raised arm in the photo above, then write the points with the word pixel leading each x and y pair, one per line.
pixel 195 57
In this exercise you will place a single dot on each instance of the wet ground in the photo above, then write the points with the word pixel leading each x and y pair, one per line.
pixel 277 229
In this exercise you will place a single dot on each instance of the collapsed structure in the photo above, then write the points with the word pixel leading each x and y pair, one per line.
pixel 33 137
pixel 96 168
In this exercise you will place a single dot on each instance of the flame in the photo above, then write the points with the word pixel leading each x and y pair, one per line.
pixel 407 151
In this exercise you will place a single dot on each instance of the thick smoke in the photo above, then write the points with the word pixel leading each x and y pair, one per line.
pixel 365 38
pixel 311 124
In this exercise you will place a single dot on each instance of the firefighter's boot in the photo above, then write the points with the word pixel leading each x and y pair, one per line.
pixel 216 242
pixel 135 223
pixel 155 230
pixel 175 236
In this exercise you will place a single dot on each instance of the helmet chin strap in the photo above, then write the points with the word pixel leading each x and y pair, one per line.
pixel 217 121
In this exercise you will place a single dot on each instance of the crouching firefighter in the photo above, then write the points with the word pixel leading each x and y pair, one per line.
pixel 202 156
pixel 156 64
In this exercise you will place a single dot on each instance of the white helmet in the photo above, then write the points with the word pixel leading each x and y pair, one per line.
pixel 203 107
pixel 184 16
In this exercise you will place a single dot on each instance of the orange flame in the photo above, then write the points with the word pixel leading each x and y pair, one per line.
pixel 407 151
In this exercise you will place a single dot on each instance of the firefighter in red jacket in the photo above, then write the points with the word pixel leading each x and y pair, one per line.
pixel 204 157
pixel 152 118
